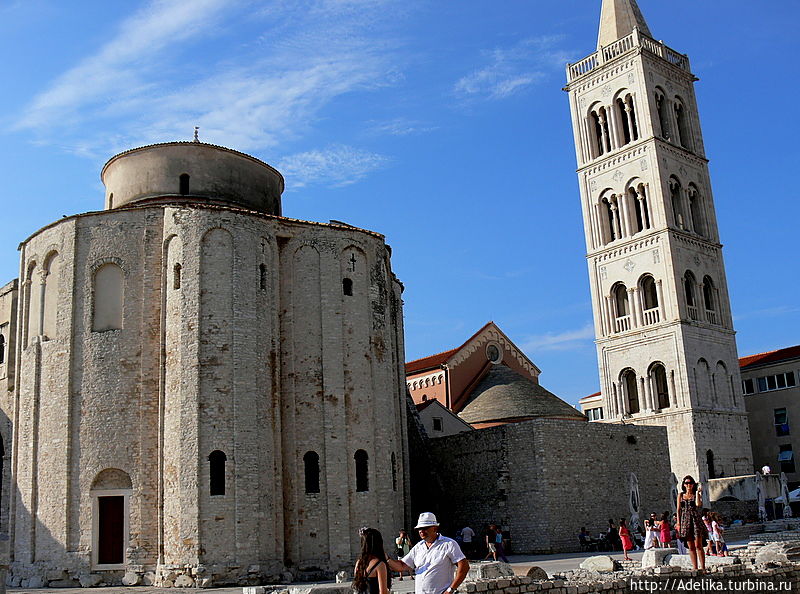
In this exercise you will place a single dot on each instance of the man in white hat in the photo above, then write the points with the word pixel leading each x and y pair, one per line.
pixel 437 561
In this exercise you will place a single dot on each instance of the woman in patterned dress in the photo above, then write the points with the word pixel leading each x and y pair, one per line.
pixel 691 529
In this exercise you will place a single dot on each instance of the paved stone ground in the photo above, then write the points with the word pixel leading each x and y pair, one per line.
pixel 552 564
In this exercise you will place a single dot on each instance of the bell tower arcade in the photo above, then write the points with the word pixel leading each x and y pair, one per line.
pixel 665 341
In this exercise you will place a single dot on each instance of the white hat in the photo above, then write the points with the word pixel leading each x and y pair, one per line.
pixel 426 519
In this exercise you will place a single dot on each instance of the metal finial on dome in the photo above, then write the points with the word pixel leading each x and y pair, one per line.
pixel 196 134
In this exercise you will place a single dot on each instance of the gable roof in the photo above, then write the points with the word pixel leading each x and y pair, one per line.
pixel 439 359
pixel 505 395
pixel 759 359
pixel 432 361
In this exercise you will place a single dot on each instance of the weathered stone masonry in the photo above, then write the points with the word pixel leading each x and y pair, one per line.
pixel 188 333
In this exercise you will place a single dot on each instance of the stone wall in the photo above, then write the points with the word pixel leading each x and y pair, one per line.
pixel 235 337
pixel 660 579
pixel 542 480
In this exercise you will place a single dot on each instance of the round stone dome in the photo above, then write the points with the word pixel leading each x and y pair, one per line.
pixel 192 171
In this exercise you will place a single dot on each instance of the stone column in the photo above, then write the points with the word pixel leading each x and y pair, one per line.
pixel 626 213
pixel 640 196
pixel 648 386
pixel 615 219
pixel 636 307
pixel 660 296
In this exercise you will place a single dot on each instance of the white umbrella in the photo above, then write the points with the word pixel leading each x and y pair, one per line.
pixel 793 496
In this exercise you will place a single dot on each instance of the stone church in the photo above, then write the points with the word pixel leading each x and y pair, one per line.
pixel 202 391
pixel 663 325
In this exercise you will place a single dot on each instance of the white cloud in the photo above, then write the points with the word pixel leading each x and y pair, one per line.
pixel 338 165
pixel 509 70
pixel 257 92
pixel 560 341
pixel 401 127
pixel 118 70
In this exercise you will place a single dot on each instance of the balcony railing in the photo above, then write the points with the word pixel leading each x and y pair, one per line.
pixel 693 312
pixel 623 46
pixel 711 316
pixel 651 316
pixel 622 323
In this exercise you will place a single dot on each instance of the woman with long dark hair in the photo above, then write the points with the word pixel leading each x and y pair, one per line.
pixel 691 529
pixel 371 575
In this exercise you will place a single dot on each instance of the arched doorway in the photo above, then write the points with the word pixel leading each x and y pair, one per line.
pixel 110 494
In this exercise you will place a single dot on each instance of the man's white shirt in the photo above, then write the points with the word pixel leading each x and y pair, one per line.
pixel 434 566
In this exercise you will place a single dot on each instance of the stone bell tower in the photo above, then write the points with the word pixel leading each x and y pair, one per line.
pixel 664 332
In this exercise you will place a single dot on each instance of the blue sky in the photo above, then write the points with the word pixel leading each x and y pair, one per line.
pixel 439 124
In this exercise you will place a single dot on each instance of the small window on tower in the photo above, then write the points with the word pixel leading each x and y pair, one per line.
pixel 347 286
pixel 216 461
pixel 176 276
pixel 184 184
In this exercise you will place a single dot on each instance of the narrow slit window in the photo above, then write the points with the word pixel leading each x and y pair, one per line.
pixel 362 471
pixel 176 276
pixel 262 277
pixel 216 461
pixel 2 349
pixel 394 472
pixel 184 184
pixel 311 467
pixel 347 286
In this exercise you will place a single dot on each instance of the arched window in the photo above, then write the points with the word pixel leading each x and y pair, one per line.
pixel 362 470
pixel 347 286
pixel 598 124
pixel 696 211
pixel 50 295
pixel 2 349
pixel 610 224
pixel 394 472
pixel 639 197
pixel 631 390
pixel 689 284
pixel 311 464
pixel 262 277
pixel 661 108
pixel 677 202
pixel 216 472
pixel 622 312
pixel 658 379
pixel 710 300
pixel 626 115
pixel 176 276
pixel 710 463
pixel 108 297
pixel 683 125
pixel 650 300
pixel 183 183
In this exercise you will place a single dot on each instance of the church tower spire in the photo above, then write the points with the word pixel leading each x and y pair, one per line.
pixel 664 331
pixel 618 19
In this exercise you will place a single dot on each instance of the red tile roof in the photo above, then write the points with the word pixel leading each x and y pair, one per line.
pixel 429 361
pixel 432 361
pixel 595 395
pixel 791 352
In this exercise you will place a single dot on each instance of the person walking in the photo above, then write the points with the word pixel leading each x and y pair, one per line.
pixel 371 575
pixel 491 549
pixel 625 537
pixel 666 530
pixel 467 536
pixel 690 526
pixel 402 546
pixel 438 562
pixel 498 543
